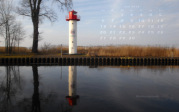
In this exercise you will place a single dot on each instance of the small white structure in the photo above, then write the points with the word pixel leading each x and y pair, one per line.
pixel 73 18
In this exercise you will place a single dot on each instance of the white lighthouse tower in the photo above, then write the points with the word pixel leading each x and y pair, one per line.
pixel 73 18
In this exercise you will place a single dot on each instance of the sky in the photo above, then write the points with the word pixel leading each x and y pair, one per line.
pixel 113 22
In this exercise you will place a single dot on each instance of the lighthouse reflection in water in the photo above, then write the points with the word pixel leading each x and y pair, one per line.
pixel 72 86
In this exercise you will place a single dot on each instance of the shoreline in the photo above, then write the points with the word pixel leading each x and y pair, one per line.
pixel 84 60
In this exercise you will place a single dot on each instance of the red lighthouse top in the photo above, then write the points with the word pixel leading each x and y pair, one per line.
pixel 73 16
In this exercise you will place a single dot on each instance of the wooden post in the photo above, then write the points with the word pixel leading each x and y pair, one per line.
pixel 61 50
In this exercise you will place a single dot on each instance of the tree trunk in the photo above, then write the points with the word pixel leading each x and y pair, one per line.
pixel 18 46
pixel 6 39
pixel 35 38
pixel 35 9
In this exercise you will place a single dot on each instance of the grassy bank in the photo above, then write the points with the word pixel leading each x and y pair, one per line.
pixel 134 51
pixel 124 51
pixel 127 51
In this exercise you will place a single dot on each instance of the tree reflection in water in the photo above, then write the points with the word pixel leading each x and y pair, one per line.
pixel 50 99
pixel 9 87
pixel 17 96
pixel 35 97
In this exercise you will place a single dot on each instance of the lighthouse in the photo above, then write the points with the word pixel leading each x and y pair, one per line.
pixel 72 86
pixel 72 18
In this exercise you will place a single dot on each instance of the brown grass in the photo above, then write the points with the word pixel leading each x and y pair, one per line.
pixel 16 50
pixel 134 51
pixel 124 51
pixel 127 51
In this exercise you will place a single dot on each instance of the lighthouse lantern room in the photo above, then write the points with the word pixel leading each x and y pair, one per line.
pixel 72 18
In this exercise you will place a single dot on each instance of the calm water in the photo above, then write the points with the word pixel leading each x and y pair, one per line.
pixel 85 89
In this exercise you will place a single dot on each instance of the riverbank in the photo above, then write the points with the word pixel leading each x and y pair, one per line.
pixel 89 60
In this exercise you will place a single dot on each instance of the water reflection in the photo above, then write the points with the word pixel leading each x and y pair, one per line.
pixel 35 97
pixel 42 89
pixel 72 97
pixel 10 85
pixel 72 86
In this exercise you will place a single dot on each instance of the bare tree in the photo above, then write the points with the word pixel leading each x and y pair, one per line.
pixel 1 19
pixel 39 10
pixel 1 24
pixel 17 35
pixel 46 47
pixel 6 19
pixel 11 30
